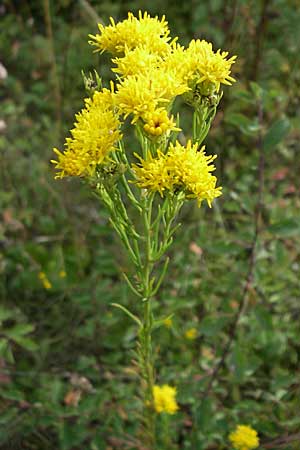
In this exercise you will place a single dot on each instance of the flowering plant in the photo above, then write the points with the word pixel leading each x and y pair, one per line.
pixel 161 172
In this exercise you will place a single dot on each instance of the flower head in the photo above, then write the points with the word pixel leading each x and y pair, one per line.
pixel 168 322
pixel 136 61
pixel 158 122
pixel 144 31
pixel 181 168
pixel 44 279
pixel 94 136
pixel 144 93
pixel 205 67
pixel 153 174
pixel 200 66
pixel 164 398
pixel 191 334
pixel 244 438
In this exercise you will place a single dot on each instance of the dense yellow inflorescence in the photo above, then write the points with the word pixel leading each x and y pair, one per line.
pixel 180 168
pixel 135 62
pixel 151 70
pixel 141 94
pixel 244 438
pixel 208 67
pixel 164 398
pixel 94 136
pixel 144 31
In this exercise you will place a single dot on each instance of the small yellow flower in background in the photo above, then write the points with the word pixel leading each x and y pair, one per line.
pixel 144 31
pixel 165 399
pixel 168 322
pixel 62 274
pixel 244 438
pixel 191 334
pixel 46 283
pixel 94 136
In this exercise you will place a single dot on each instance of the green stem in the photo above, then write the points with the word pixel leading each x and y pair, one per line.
pixel 147 363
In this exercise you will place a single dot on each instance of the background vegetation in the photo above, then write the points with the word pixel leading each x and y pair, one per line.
pixel 66 375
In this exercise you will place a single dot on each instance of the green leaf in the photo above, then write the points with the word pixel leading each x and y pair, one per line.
pixel 130 314
pixel 4 314
pixel 246 125
pixel 239 361
pixel 19 330
pixel 211 326
pixel 5 351
pixel 276 133
pixel 285 228
pixel 158 323
pixel 27 343
pixel 12 394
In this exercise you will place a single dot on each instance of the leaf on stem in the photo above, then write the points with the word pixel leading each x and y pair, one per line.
pixel 130 314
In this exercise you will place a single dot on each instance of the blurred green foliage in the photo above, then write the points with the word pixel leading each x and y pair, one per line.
pixel 66 375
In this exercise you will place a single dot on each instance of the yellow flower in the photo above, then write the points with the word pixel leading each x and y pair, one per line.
pixel 142 94
pixel 94 136
pixel 136 95
pixel 244 438
pixel 181 168
pixel 165 399
pixel 153 174
pixel 144 31
pixel 200 67
pixel 168 322
pixel 62 274
pixel 135 62
pixel 191 333
pixel 193 168
pixel 46 283
pixel 158 122
pixel 207 67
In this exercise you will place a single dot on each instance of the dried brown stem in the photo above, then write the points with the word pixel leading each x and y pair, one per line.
pixel 281 442
pixel 252 258
pixel 259 39
pixel 54 72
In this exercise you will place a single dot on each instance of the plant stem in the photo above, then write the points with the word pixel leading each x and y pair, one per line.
pixel 146 362
pixel 54 72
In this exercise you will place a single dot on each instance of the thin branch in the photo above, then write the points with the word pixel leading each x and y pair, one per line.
pixel 90 11
pixel 259 39
pixel 252 258
pixel 281 442
pixel 54 71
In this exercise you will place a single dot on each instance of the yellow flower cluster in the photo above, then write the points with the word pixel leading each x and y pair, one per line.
pixel 143 93
pixel 181 168
pixel 94 136
pixel 152 70
pixel 164 398
pixel 137 61
pixel 244 438
pixel 44 279
pixel 206 68
pixel 144 31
